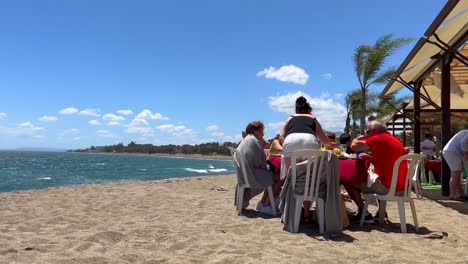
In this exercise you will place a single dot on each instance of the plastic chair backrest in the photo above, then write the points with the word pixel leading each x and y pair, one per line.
pixel 312 181
pixel 415 162
pixel 239 163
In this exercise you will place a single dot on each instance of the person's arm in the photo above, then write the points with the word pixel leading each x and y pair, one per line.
pixel 283 129
pixel 276 146
pixel 359 144
pixel 323 138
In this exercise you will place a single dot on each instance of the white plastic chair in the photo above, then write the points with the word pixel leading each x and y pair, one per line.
pixel 239 164
pixel 419 172
pixel 312 183
pixel 414 161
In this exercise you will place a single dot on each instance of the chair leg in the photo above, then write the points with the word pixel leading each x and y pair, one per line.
pixel 382 209
pixel 431 177
pixel 235 194
pixel 363 214
pixel 401 212
pixel 321 215
pixel 272 200
pixel 297 215
pixel 417 189
pixel 240 200
pixel 413 211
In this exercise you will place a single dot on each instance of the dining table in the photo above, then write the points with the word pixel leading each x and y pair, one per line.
pixel 434 165
pixel 353 170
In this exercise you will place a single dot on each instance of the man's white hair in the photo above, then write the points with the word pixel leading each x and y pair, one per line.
pixel 376 125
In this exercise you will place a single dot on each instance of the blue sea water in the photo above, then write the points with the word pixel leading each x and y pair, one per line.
pixel 39 170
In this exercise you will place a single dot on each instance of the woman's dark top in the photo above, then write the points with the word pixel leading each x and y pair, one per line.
pixel 301 124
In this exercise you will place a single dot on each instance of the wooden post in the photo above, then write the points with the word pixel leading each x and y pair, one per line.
pixel 404 127
pixel 416 117
pixel 445 120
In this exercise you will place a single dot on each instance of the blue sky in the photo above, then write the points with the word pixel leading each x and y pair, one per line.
pixel 80 73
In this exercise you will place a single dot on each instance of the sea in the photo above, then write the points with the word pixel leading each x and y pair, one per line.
pixel 23 170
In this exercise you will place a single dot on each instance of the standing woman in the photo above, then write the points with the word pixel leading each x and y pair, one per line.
pixel 302 131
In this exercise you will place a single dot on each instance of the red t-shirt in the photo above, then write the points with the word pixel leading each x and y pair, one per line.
pixel 385 150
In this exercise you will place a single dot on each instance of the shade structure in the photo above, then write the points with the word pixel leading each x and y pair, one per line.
pixel 451 27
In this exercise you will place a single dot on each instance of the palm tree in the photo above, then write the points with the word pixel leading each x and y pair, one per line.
pixel 377 108
pixel 381 108
pixel 353 103
pixel 368 62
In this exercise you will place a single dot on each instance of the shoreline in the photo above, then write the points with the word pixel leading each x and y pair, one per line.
pixel 185 156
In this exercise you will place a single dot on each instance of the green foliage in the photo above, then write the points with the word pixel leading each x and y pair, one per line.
pixel 368 65
pixel 213 148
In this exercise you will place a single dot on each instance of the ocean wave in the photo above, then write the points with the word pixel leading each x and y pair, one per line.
pixel 196 170
pixel 143 169
pixel 217 170
pixel 100 164
pixel 44 178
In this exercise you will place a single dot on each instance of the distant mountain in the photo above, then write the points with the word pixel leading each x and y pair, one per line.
pixel 45 149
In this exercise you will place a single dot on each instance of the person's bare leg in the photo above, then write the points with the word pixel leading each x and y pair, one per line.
pixel 355 195
pixel 307 214
pixel 265 199
pixel 455 183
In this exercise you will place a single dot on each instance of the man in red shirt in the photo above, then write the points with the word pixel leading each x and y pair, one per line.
pixel 385 150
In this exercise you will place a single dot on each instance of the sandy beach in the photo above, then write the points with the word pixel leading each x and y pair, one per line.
pixel 193 220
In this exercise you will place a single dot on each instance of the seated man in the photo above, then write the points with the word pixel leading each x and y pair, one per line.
pixel 345 139
pixel 260 177
pixel 385 150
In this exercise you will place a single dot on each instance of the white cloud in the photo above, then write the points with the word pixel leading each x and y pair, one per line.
pixel 76 138
pixel 212 128
pixel 94 122
pixel 90 112
pixel 2 115
pixel 112 117
pixel 65 132
pixel 113 120
pixel 331 114
pixel 179 131
pixel 275 127
pixel 105 134
pixel 26 129
pixel 288 73
pixel 125 112
pixel 30 126
pixel 327 76
pixel 48 119
pixel 113 123
pixel 146 114
pixel 68 111
pixel 218 135
pixel 140 126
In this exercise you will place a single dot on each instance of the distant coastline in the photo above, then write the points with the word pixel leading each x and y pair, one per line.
pixel 186 156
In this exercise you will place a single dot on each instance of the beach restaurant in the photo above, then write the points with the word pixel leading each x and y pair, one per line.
pixel 436 73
